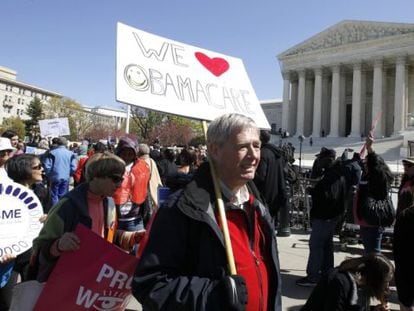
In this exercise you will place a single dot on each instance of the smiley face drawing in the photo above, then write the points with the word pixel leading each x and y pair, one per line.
pixel 136 78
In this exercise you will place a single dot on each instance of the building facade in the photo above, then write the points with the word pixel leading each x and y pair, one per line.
pixel 115 118
pixel 16 96
pixel 272 109
pixel 344 80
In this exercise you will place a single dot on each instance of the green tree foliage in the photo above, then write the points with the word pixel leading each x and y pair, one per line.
pixel 144 121
pixel 14 123
pixel 35 113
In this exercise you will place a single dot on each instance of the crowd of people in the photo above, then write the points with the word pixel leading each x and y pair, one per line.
pixel 211 262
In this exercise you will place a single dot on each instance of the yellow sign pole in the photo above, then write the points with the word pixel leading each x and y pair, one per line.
pixel 222 213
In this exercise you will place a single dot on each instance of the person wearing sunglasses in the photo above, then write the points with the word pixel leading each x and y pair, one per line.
pixel 27 170
pixel 89 204
pixel 24 169
pixel 6 261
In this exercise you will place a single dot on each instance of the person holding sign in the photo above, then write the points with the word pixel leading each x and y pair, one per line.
pixel 89 204
pixel 183 263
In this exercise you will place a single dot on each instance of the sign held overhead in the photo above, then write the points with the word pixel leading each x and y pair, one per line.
pixel 172 77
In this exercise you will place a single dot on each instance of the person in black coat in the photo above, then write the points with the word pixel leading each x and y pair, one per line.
pixel 270 177
pixel 404 268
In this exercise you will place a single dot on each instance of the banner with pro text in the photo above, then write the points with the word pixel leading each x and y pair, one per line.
pixel 96 277
pixel 172 77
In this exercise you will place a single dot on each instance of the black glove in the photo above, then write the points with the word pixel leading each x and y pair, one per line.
pixel 234 292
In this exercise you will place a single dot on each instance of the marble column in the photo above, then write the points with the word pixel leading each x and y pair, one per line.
pixel 286 101
pixel 301 103
pixel 317 104
pixel 400 96
pixel 335 99
pixel 293 108
pixel 356 101
pixel 377 112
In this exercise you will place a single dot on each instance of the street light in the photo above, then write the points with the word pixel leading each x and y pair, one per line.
pixel 301 139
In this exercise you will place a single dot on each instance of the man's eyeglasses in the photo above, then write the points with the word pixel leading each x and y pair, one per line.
pixel 116 179
pixel 37 167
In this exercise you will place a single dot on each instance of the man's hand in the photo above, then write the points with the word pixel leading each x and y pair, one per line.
pixel 235 292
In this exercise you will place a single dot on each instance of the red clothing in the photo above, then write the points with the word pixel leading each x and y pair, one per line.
pixel 249 257
pixel 134 185
pixel 78 173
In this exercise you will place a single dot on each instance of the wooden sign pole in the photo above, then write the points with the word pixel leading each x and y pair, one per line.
pixel 222 213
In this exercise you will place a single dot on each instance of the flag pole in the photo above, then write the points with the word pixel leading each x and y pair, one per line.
pixel 371 132
pixel 222 213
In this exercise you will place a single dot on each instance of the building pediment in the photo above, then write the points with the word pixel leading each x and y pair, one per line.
pixel 349 32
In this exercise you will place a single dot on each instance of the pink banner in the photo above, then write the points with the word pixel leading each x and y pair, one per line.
pixel 96 277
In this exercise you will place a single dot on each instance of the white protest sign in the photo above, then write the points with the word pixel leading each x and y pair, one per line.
pixel 20 210
pixel 54 127
pixel 169 76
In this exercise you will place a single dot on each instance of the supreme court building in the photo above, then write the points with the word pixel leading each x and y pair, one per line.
pixel 350 76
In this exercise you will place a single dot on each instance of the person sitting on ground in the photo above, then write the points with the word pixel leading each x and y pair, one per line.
pixel 338 290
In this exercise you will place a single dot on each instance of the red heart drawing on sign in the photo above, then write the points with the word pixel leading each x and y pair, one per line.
pixel 217 66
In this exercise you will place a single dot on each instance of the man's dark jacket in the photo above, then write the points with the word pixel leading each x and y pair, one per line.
pixel 184 259
pixel 270 178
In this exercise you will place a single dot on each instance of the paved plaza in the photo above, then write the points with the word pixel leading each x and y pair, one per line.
pixel 293 253
pixel 293 250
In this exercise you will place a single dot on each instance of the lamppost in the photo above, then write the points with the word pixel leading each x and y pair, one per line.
pixel 301 139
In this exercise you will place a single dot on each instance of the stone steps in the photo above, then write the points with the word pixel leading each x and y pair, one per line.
pixel 390 148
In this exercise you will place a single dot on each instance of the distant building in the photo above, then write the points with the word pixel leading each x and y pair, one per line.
pixel 272 109
pixel 349 76
pixel 109 116
pixel 15 96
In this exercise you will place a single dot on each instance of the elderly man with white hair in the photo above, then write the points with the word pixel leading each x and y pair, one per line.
pixel 183 263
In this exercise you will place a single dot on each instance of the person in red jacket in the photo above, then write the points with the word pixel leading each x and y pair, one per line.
pixel 131 196
pixel 183 264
